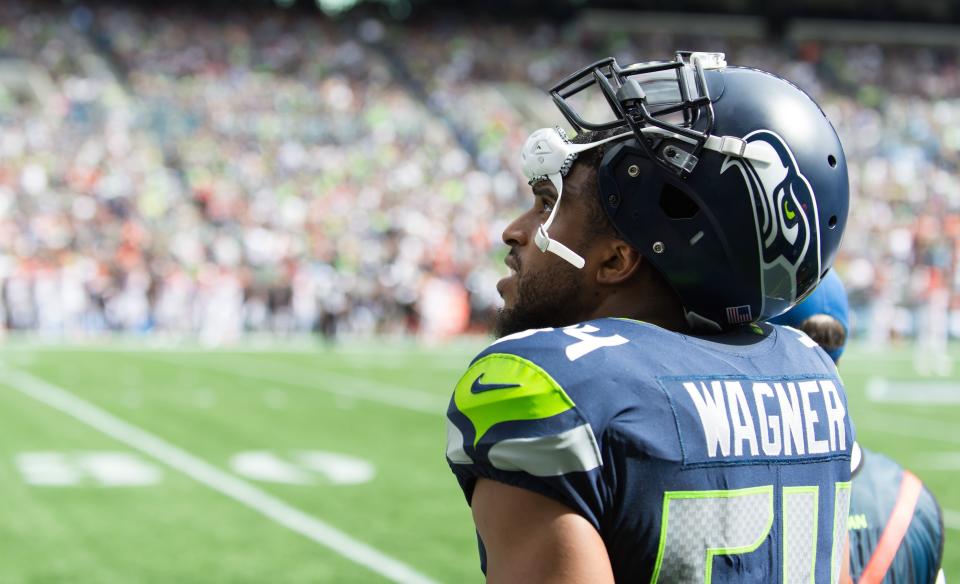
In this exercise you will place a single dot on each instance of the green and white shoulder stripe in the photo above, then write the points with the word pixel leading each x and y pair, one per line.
pixel 503 387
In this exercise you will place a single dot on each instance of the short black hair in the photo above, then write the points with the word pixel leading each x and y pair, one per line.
pixel 827 331
pixel 598 222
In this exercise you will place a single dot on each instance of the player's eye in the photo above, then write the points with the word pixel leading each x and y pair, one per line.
pixel 546 206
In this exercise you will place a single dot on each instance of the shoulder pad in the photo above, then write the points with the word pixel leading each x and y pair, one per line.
pixel 510 411
pixel 572 342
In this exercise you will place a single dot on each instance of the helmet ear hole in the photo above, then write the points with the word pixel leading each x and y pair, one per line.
pixel 677 204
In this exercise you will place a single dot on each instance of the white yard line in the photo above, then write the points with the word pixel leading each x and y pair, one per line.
pixel 387 352
pixel 938 461
pixel 211 476
pixel 336 383
pixel 909 426
pixel 922 392
pixel 951 519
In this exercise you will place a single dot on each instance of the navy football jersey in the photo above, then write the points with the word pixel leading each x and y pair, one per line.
pixel 698 459
pixel 883 496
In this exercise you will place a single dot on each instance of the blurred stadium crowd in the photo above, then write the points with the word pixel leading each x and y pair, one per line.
pixel 194 175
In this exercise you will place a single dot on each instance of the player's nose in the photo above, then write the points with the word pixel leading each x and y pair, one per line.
pixel 517 232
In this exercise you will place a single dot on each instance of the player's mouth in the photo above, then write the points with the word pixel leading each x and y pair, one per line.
pixel 506 285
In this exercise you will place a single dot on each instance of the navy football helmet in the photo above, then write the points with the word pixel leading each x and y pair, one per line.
pixel 729 180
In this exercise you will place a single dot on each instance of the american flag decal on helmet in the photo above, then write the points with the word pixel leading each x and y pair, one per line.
pixel 739 314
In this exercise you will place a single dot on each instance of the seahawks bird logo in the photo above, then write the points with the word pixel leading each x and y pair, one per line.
pixel 785 214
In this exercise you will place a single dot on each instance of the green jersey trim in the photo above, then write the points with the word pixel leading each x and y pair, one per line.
pixel 501 387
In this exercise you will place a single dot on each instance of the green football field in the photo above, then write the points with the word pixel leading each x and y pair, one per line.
pixel 295 462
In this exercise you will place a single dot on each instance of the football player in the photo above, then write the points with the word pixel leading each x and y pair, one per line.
pixel 633 422
pixel 896 524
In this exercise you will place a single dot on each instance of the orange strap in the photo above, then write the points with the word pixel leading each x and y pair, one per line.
pixel 910 488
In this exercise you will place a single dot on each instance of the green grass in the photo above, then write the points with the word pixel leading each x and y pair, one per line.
pixel 287 398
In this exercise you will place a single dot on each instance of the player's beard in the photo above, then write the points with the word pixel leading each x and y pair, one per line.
pixel 550 298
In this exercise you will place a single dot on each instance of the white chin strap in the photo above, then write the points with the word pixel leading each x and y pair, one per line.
pixel 726 145
pixel 548 155
pixel 542 238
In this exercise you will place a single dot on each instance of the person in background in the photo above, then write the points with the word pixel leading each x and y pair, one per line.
pixel 896 525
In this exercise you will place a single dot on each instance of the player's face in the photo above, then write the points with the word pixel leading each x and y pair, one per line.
pixel 542 289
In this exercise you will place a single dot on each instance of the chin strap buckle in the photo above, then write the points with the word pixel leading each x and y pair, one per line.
pixel 545 244
pixel 732 146
pixel 739 148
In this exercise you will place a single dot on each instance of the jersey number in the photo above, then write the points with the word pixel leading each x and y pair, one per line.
pixel 698 525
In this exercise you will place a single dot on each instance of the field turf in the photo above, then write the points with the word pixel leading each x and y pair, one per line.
pixel 298 462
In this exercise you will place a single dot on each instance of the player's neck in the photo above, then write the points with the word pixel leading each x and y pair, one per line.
pixel 648 304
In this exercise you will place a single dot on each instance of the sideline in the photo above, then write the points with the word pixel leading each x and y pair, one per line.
pixel 211 476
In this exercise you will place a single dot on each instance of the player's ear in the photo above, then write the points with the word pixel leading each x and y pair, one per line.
pixel 620 262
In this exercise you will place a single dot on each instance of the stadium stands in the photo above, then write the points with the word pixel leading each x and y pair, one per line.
pixel 187 175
